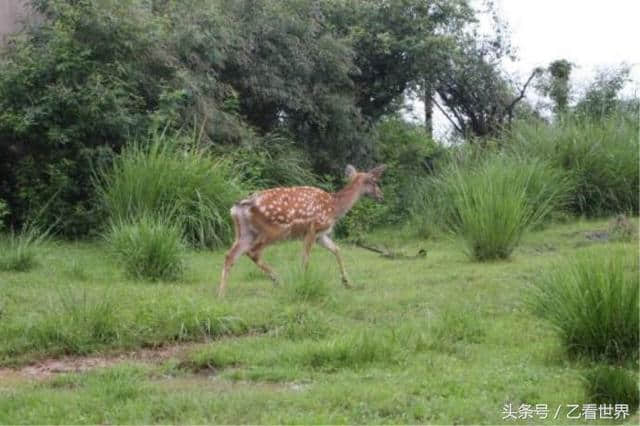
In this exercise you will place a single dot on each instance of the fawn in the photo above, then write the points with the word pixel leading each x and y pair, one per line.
pixel 301 212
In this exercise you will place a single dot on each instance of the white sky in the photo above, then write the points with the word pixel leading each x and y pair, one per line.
pixel 592 34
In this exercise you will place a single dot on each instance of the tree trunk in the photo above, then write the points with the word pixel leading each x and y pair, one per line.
pixel 427 97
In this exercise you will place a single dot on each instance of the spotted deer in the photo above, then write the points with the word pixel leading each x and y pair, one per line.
pixel 301 212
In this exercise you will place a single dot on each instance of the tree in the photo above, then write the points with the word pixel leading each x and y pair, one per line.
pixel 601 97
pixel 480 99
pixel 396 45
pixel 558 85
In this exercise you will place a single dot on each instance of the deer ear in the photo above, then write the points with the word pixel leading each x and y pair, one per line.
pixel 377 171
pixel 350 171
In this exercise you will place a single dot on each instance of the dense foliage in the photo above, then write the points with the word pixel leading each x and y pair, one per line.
pixel 283 93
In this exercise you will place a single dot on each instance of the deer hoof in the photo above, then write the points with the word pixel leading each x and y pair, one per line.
pixel 346 283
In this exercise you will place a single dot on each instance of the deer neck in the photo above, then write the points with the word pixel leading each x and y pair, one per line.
pixel 345 198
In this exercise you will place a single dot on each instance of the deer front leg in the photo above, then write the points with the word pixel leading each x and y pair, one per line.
pixel 327 243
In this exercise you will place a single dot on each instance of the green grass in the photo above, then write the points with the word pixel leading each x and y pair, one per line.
pixel 437 339
pixel 611 385
pixel 491 205
pixel 304 285
pixel 149 247
pixel 19 251
pixel 593 302
pixel 172 175
pixel 600 156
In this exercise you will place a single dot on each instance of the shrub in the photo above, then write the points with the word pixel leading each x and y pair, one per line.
pixel 592 302
pixel 600 155
pixel 71 89
pixel 491 205
pixel 18 251
pixel 171 174
pixel 612 385
pixel 273 161
pixel 362 218
pixel 149 248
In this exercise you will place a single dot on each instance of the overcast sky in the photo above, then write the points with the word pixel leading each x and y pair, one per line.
pixel 589 33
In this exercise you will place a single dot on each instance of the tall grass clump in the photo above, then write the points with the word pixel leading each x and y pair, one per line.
pixel 592 301
pixel 492 204
pixel 601 156
pixel 148 247
pixel 18 251
pixel 612 385
pixel 170 173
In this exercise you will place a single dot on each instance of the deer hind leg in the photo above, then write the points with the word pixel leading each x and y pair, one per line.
pixel 255 254
pixel 327 243
pixel 309 239
pixel 243 242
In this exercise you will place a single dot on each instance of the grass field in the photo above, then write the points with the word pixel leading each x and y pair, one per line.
pixel 439 339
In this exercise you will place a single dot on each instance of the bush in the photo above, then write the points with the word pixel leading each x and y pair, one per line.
pixel 149 247
pixel 72 89
pixel 612 385
pixel 18 252
pixel 91 76
pixel 592 302
pixel 600 156
pixel 362 218
pixel 171 175
pixel 491 205
pixel 273 161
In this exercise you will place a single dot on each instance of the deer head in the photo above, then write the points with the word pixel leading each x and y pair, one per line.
pixel 367 181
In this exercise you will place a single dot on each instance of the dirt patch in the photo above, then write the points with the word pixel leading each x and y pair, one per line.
pixel 47 368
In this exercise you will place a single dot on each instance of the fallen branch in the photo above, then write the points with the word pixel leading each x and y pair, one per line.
pixel 390 254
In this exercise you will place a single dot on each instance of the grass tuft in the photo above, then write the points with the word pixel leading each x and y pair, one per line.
pixel 18 252
pixel 612 385
pixel 601 156
pixel 305 285
pixel 149 248
pixel 490 206
pixel 592 302
pixel 301 322
pixel 461 324
pixel 172 174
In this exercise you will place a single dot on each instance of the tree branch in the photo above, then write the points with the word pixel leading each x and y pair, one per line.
pixel 433 99
pixel 512 105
